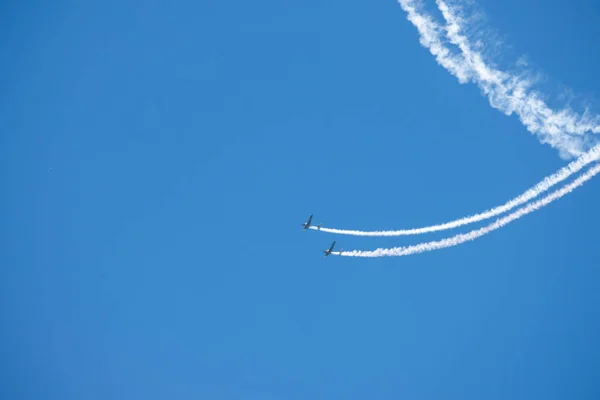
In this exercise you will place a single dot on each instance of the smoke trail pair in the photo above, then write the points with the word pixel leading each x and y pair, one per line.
pixel 535 191
pixel 474 234
pixel 562 129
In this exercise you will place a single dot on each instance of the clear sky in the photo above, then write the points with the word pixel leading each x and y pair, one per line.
pixel 158 158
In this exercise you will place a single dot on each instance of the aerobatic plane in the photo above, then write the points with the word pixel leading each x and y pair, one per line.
pixel 306 224
pixel 329 250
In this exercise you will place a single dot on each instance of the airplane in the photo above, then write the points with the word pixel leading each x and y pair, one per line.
pixel 306 224
pixel 329 250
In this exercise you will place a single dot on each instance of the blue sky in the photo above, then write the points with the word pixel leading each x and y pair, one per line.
pixel 159 157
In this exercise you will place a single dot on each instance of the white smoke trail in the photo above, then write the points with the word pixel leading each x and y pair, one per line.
pixel 535 191
pixel 474 234
pixel 563 129
pixel 430 37
pixel 506 92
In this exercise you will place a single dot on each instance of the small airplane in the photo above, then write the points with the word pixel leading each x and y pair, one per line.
pixel 329 250
pixel 306 224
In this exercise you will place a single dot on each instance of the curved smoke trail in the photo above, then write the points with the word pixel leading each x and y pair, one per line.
pixel 535 191
pixel 562 129
pixel 510 94
pixel 462 238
